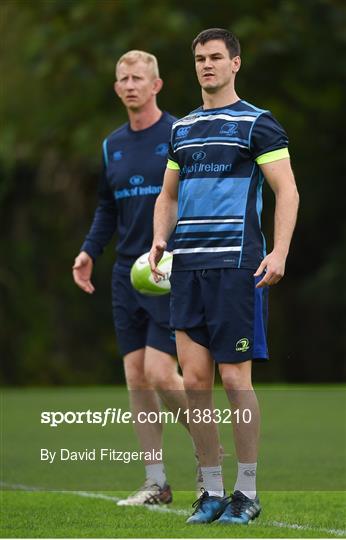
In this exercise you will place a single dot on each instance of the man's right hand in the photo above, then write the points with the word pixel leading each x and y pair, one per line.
pixel 82 270
pixel 155 256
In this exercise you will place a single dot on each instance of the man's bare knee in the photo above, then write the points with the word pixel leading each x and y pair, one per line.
pixel 160 369
pixel 155 377
pixel 195 381
pixel 236 376
pixel 196 363
pixel 134 371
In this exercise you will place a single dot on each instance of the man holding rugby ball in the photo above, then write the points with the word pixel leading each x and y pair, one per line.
pixel 219 156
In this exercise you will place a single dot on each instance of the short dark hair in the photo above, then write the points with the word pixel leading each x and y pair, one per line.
pixel 230 40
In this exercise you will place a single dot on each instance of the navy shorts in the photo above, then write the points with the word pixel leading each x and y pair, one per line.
pixel 139 320
pixel 222 310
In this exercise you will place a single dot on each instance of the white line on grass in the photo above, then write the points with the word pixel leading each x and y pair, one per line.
pixel 176 511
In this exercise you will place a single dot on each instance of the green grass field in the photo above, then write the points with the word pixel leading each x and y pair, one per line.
pixel 68 515
pixel 301 469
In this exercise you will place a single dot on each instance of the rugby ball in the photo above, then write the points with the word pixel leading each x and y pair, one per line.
pixel 142 279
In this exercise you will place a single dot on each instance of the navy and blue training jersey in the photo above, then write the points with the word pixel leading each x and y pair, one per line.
pixel 134 165
pixel 218 153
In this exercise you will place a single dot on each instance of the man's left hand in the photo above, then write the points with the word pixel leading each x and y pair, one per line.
pixel 274 267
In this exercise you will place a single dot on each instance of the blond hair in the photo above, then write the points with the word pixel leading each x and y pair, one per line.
pixel 131 57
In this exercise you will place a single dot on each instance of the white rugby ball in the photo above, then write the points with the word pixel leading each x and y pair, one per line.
pixel 142 279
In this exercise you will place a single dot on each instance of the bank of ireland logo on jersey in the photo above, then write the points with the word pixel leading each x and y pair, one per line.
pixel 199 156
pixel 117 155
pixel 161 149
pixel 182 132
pixel 136 180
pixel 242 345
pixel 229 128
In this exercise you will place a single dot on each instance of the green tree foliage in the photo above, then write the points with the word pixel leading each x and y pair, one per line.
pixel 57 105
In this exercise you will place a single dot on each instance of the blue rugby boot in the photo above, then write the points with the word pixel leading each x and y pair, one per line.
pixel 207 508
pixel 240 509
